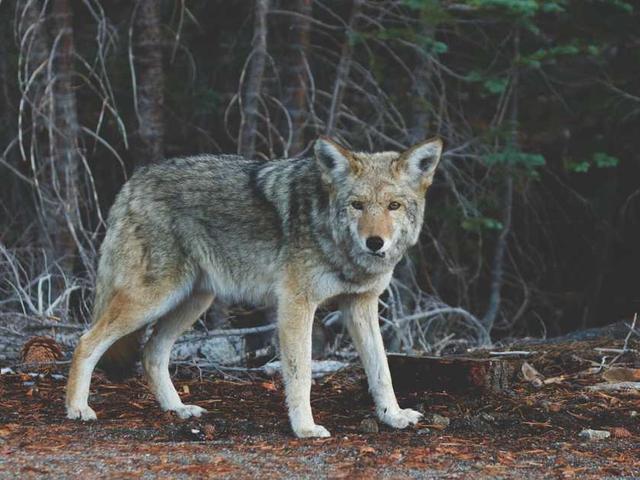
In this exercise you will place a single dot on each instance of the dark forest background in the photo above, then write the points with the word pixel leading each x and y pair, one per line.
pixel 533 223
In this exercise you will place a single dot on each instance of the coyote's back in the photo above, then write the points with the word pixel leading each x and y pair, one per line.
pixel 173 221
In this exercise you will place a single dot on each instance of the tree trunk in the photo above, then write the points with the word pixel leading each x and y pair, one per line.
pixel 497 271
pixel 419 103
pixel 149 81
pixel 253 85
pixel 62 218
pixel 342 72
pixel 6 98
pixel 295 76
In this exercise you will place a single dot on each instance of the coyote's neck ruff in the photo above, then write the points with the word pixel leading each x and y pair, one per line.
pixel 292 233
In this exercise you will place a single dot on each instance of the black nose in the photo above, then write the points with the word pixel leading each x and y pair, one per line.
pixel 374 243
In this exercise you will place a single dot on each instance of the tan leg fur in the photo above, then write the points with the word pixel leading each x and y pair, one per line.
pixel 295 321
pixel 361 315
pixel 126 312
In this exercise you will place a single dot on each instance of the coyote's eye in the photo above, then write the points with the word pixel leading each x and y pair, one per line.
pixel 394 206
pixel 357 205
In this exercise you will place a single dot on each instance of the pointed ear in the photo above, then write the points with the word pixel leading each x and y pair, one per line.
pixel 421 160
pixel 334 159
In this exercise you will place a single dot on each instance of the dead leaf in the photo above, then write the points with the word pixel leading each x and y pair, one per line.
pixel 505 458
pixel 6 430
pixel 395 456
pixel 555 380
pixel 622 375
pixel 531 375
pixel 269 386
pixel 546 424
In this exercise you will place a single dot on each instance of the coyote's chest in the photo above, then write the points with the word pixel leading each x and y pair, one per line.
pixel 325 284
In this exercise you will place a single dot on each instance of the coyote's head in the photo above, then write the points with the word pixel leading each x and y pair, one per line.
pixel 377 199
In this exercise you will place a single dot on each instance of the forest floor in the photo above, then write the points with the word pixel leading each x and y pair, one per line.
pixel 522 432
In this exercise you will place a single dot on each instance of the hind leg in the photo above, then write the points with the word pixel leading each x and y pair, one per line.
pixel 125 313
pixel 157 352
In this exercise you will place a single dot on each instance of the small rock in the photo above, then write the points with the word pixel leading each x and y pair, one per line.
pixel 481 423
pixel 510 392
pixel 190 432
pixel 633 414
pixel 423 431
pixel 548 406
pixel 593 435
pixel 484 416
pixel 437 420
pixel 369 425
pixel 582 398
pixel 194 433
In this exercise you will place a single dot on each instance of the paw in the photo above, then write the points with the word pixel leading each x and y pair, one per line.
pixel 84 413
pixel 188 411
pixel 314 431
pixel 400 418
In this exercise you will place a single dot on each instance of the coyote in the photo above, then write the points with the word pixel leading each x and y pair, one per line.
pixel 289 233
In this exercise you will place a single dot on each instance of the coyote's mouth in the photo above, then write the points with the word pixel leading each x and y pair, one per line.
pixel 377 254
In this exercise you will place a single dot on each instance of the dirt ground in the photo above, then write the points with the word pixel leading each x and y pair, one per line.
pixel 522 432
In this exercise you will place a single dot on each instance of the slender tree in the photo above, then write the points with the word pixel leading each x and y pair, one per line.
pixel 253 83
pixel 62 211
pixel 419 104
pixel 296 72
pixel 149 81
pixel 497 268
pixel 342 71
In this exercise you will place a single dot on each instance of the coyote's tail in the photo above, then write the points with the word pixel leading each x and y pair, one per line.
pixel 119 361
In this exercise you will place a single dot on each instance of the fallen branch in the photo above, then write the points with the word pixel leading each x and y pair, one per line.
pixel 625 347
pixel 230 332
pixel 606 386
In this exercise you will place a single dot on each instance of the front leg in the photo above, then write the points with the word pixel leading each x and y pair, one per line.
pixel 295 320
pixel 361 315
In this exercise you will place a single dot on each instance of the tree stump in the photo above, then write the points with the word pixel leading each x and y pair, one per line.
pixel 454 374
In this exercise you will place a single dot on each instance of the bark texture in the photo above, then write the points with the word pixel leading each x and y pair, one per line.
pixel 295 75
pixel 62 218
pixel 344 67
pixel 419 101
pixel 149 81
pixel 253 84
